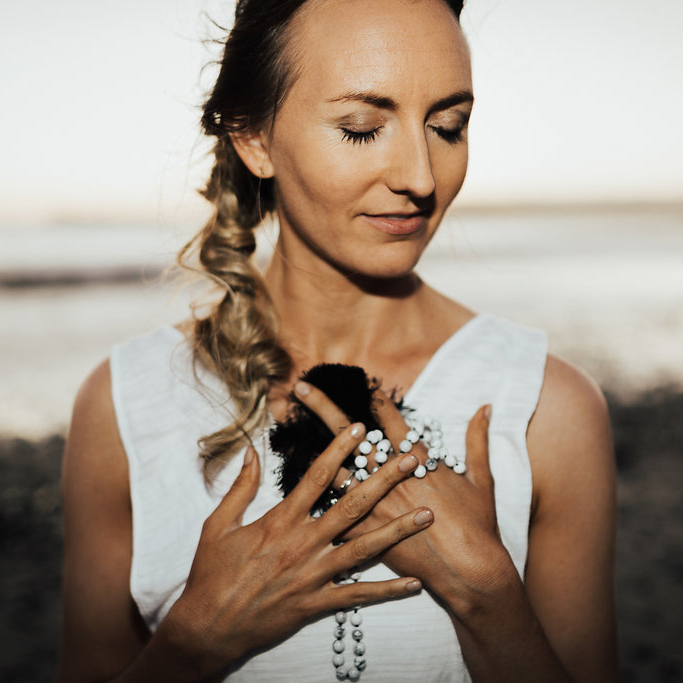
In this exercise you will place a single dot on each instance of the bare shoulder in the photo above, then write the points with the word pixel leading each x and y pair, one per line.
pixel 93 444
pixel 569 435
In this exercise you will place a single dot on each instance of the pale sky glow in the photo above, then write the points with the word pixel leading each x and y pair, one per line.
pixel 579 101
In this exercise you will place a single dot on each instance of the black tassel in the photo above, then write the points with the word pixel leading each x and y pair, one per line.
pixel 303 436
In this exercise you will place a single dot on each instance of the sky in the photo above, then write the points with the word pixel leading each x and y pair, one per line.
pixel 575 102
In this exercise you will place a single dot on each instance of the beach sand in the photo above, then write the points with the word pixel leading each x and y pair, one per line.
pixel 649 576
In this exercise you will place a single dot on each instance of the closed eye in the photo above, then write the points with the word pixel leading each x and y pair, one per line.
pixel 450 135
pixel 360 137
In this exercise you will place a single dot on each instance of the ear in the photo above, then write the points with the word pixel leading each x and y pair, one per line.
pixel 252 148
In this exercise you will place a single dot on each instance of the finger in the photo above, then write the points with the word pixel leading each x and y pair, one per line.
pixel 390 417
pixel 366 546
pixel 477 445
pixel 326 409
pixel 322 471
pixel 365 592
pixel 362 498
pixel 231 509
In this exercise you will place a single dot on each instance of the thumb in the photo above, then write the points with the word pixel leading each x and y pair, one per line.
pixel 477 443
pixel 243 490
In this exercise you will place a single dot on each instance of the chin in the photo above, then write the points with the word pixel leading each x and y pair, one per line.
pixel 385 269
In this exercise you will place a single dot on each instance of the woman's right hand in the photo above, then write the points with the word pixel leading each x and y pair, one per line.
pixel 249 586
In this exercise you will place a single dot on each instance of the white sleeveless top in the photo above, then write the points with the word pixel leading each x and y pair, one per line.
pixel 163 408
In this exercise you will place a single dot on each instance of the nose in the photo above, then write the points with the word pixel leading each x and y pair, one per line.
pixel 410 168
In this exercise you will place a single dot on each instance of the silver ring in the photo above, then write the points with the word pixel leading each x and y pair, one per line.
pixel 346 483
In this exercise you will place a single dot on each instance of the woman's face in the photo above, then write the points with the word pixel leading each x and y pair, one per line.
pixel 370 145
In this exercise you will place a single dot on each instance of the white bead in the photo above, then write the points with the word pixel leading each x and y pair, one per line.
pixel 375 436
pixel 356 619
pixel 361 475
pixel 431 464
pixel 342 672
pixel 436 443
pixel 437 434
pixel 353 674
pixel 405 446
pixel 450 460
pixel 338 646
pixel 359 663
pixel 338 660
pixel 420 472
pixel 340 617
pixel 359 649
pixel 384 445
pixel 365 447
pixel 356 576
pixel 361 461
pixel 375 469
pixel 339 632
pixel 381 457
pixel 412 436
pixel 434 453
pixel 460 467
pixel 357 634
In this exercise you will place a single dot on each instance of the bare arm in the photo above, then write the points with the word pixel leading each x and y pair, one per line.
pixel 246 587
pixel 102 631
pixel 570 571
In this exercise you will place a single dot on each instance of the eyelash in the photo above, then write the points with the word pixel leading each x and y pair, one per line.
pixel 452 136
pixel 366 137
pixel 360 137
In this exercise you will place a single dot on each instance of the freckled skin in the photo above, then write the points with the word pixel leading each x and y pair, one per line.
pixel 325 183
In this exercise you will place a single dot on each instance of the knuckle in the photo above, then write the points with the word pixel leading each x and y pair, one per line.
pixel 351 507
pixel 399 533
pixel 360 549
pixel 363 593
pixel 319 473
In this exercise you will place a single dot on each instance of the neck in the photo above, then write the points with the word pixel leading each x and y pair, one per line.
pixel 330 316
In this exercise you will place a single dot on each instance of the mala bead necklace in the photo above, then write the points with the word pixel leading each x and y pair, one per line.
pixel 357 646
pixel 427 430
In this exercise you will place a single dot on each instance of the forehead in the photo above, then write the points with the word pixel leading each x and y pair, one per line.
pixel 407 46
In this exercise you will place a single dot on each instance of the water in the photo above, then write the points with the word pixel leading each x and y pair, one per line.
pixel 606 284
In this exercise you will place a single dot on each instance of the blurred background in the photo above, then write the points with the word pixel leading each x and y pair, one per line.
pixel 571 220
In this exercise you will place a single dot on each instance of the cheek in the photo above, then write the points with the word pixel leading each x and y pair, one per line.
pixel 319 177
pixel 450 174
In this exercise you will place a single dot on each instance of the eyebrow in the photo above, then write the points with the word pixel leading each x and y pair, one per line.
pixel 382 102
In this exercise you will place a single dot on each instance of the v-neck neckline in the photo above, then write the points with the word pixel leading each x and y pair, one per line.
pixel 430 366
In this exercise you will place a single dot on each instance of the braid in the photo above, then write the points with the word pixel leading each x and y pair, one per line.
pixel 237 339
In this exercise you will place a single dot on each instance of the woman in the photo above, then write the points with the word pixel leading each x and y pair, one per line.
pixel 347 118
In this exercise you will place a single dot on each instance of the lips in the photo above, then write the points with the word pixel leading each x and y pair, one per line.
pixel 397 223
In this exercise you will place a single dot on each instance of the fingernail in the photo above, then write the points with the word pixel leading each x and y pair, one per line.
pixel 302 388
pixel 358 429
pixel 408 464
pixel 487 412
pixel 423 517
pixel 413 586
pixel 248 456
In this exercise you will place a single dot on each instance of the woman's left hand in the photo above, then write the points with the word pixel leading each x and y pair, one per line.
pixel 461 555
